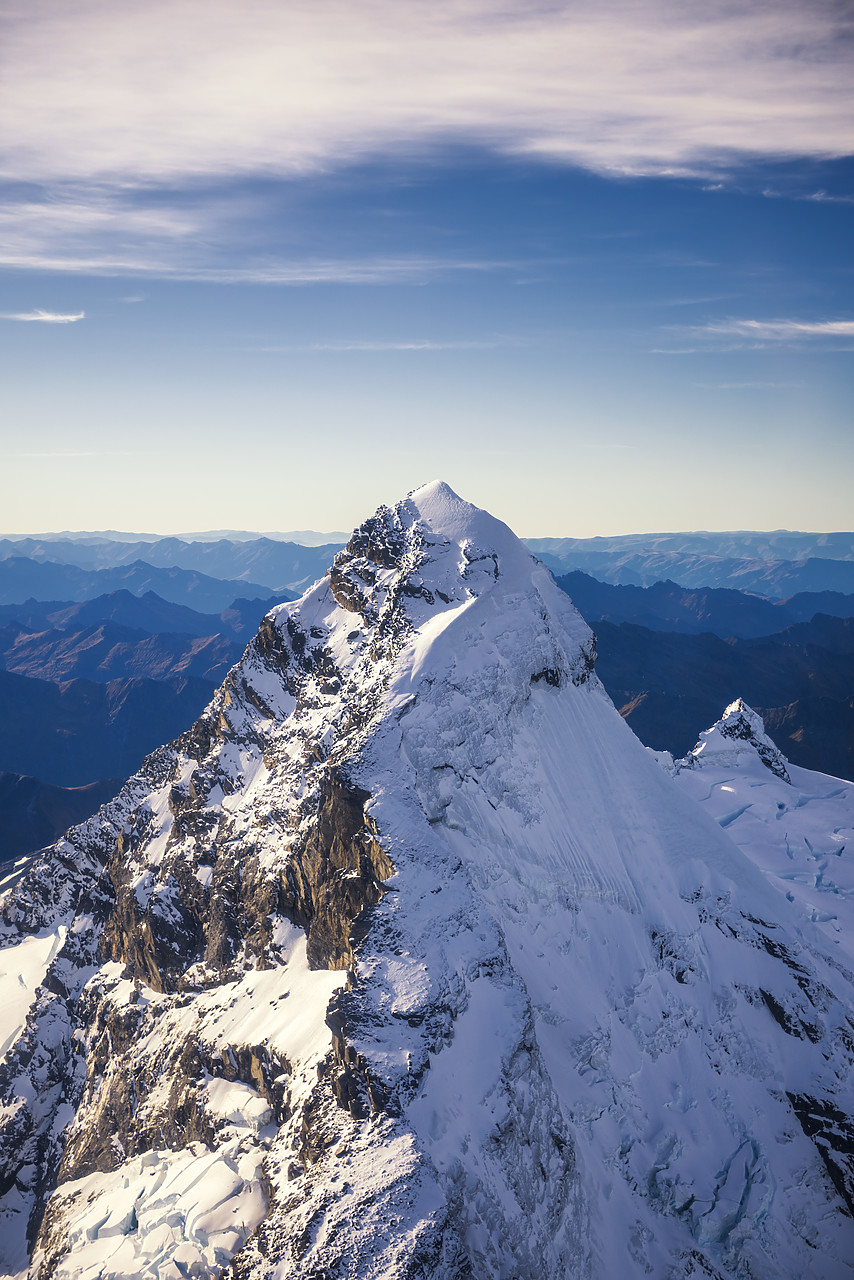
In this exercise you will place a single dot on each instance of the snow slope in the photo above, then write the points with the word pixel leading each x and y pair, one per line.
pixel 408 960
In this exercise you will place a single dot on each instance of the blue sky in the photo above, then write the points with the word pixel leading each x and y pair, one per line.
pixel 590 265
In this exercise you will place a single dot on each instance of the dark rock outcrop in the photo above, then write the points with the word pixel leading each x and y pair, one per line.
pixel 336 873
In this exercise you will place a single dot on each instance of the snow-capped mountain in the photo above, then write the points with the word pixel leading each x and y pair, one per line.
pixel 795 825
pixel 408 960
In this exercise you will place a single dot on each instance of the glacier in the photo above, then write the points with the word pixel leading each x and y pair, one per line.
pixel 409 960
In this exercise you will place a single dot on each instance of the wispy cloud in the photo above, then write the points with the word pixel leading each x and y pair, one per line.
pixel 312 86
pixel 43 317
pixel 823 197
pixel 102 232
pixel 662 87
pixel 674 351
pixel 167 248
pixel 747 386
pixel 703 300
pixel 413 345
pixel 817 197
pixel 779 330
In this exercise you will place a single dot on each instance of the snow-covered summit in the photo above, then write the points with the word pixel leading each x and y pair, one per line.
pixel 446 514
pixel 739 733
pixel 407 960
pixel 795 825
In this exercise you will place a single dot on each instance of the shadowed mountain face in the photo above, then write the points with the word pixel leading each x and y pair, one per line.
pixel 107 652
pixel 74 733
pixel 816 729
pixel 34 813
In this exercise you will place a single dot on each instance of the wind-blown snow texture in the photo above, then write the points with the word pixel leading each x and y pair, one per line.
pixel 408 960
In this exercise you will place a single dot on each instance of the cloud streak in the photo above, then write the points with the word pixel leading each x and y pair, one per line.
pixel 160 90
pixel 114 238
pixel 412 345
pixel 822 197
pixel 779 330
pixel 816 197
pixel 43 317
pixel 140 123
pixel 747 386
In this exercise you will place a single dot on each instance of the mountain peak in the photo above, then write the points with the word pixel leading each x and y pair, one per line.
pixel 438 492
pixel 444 513
pixel 739 731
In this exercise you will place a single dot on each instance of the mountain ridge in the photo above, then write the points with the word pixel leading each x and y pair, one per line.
pixel 261 561
pixel 22 579
pixel 667 606
pixel 777 579
pixel 105 651
pixel 149 613
pixel 774 544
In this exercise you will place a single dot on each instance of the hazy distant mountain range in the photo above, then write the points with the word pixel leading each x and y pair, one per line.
pixel 665 606
pixel 777 565
pixel 776 579
pixel 147 612
pixel 305 537
pixel 272 564
pixel 22 579
pixel 780 544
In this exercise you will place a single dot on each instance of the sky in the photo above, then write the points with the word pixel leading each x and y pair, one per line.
pixel 268 265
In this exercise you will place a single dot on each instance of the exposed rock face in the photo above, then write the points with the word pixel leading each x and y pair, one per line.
pixel 336 875
pixel 407 961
